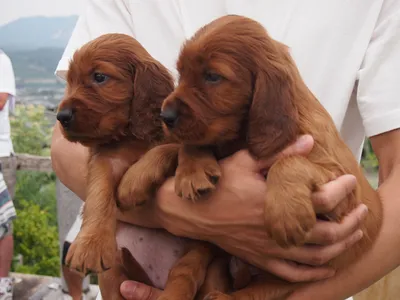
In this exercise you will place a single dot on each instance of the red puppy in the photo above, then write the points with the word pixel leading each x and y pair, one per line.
pixel 239 88
pixel 112 104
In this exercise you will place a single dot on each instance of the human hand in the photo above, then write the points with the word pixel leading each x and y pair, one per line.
pixel 232 218
pixel 247 237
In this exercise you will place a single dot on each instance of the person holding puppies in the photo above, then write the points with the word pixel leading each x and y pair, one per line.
pixel 347 55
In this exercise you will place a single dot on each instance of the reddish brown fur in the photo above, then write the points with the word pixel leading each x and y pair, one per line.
pixel 125 268
pixel 261 102
pixel 118 120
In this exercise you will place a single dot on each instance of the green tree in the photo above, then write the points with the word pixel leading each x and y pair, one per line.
pixel 38 188
pixel 36 240
pixel 31 130
pixel 369 161
pixel 35 229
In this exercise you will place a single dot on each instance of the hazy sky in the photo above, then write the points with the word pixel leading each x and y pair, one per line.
pixel 14 9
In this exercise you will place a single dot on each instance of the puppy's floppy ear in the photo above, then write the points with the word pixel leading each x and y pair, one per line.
pixel 272 123
pixel 152 84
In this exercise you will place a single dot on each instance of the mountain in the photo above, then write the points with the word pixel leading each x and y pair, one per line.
pixel 37 32
pixel 35 45
pixel 35 64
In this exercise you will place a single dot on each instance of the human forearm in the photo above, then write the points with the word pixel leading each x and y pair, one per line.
pixel 216 221
pixel 225 220
pixel 375 264
pixel 384 256
pixel 69 162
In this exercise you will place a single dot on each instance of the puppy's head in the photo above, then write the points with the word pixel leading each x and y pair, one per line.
pixel 114 89
pixel 233 76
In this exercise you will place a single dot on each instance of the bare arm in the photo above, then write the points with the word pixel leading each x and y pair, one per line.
pixel 69 162
pixel 3 100
pixel 384 256
pixel 183 219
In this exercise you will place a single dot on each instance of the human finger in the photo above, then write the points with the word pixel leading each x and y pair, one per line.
pixel 332 193
pixel 319 255
pixel 327 233
pixel 293 272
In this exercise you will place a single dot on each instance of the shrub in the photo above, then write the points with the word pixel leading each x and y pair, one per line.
pixel 36 240
pixel 35 229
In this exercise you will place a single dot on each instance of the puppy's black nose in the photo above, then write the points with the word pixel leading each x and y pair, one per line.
pixel 169 117
pixel 65 117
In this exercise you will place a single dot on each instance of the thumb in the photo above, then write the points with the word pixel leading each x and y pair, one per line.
pixel 302 146
pixel 132 290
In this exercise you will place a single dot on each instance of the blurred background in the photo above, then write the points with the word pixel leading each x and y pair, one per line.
pixel 33 34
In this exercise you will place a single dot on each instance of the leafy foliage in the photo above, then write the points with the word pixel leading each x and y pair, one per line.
pixel 30 130
pixel 369 160
pixel 39 188
pixel 36 240
pixel 35 228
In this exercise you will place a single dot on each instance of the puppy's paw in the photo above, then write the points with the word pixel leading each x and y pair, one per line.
pixel 289 215
pixel 215 295
pixel 134 190
pixel 92 252
pixel 192 181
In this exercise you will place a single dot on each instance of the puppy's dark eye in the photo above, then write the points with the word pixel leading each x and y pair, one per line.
pixel 212 77
pixel 100 77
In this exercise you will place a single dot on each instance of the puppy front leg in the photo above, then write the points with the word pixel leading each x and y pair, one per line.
pixel 110 282
pixel 142 179
pixel 217 278
pixel 262 288
pixel 188 274
pixel 125 268
pixel 95 247
pixel 289 211
pixel 197 174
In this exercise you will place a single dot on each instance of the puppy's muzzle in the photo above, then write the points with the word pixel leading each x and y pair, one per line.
pixel 65 117
pixel 169 116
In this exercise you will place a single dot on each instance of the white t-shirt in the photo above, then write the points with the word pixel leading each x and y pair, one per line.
pixel 7 85
pixel 348 52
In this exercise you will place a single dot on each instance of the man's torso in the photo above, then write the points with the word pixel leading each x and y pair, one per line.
pixel 328 40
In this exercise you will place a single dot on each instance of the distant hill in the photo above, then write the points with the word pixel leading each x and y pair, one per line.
pixel 35 45
pixel 37 32
pixel 38 63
